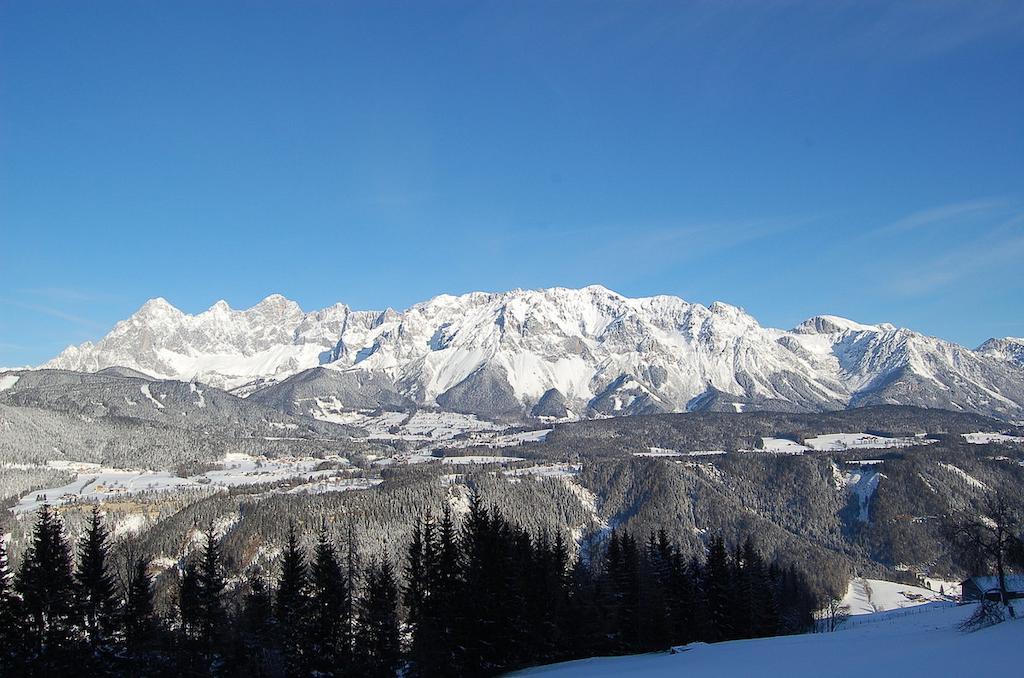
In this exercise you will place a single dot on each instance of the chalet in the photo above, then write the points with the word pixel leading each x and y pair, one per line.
pixel 977 587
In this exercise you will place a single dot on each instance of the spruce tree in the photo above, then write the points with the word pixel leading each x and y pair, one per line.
pixel 257 651
pixel 46 584
pixel 95 584
pixel 414 597
pixel 188 601
pixel 328 594
pixel 717 592
pixel 378 647
pixel 211 584
pixel 10 617
pixel 293 605
pixel 138 609
pixel 348 617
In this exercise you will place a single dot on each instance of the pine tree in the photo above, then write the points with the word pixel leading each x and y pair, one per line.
pixel 328 594
pixel 46 584
pixel 293 605
pixel 717 593
pixel 211 584
pixel 138 609
pixel 95 584
pixel 414 596
pixel 377 647
pixel 257 653
pixel 188 601
pixel 348 618
pixel 10 617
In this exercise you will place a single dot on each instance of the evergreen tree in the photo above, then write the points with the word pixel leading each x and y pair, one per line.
pixel 293 605
pixel 378 648
pixel 138 619
pixel 10 617
pixel 718 593
pixel 95 584
pixel 210 584
pixel 348 618
pixel 414 597
pixel 257 656
pixel 188 601
pixel 328 594
pixel 46 584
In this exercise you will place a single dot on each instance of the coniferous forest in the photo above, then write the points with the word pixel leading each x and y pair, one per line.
pixel 471 597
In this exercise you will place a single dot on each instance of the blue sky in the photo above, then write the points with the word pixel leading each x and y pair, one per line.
pixel 856 158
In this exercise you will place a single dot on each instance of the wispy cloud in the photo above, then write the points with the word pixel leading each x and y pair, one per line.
pixel 945 214
pixel 57 313
pixel 921 29
pixel 1000 250
pixel 66 294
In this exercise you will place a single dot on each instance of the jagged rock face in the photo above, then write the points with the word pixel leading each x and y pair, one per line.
pixel 604 354
pixel 1010 349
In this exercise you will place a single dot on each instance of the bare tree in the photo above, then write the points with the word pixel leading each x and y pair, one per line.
pixel 989 539
pixel 834 614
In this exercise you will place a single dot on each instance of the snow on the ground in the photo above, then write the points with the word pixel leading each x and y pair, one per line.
pixel 479 459
pixel 982 438
pixel 664 452
pixel 964 475
pixel 862 483
pixel 782 446
pixel 949 588
pixel 923 642
pixel 8 381
pixel 103 485
pixel 336 484
pixel 546 471
pixel 422 426
pixel 659 452
pixel 867 596
pixel 94 483
pixel 149 396
pixel 836 442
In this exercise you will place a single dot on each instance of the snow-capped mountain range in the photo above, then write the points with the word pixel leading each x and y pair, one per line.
pixel 557 352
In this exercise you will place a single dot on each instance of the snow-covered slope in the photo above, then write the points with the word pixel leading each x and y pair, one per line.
pixel 922 641
pixel 1010 349
pixel 586 352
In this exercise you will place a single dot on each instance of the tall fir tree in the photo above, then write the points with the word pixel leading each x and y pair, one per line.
pixel 95 593
pixel 46 585
pixel 10 617
pixel 717 587
pixel 138 617
pixel 292 603
pixel 328 595
pixel 211 584
pixel 378 645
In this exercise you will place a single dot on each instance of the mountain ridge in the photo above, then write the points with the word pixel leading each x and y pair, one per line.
pixel 591 350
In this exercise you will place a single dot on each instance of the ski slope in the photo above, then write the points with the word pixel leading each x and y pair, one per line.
pixel 922 641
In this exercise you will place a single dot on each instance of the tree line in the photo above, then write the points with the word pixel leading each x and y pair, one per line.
pixel 472 597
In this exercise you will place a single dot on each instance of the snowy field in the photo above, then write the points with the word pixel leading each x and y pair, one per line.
pixel 983 438
pixel 546 471
pixel 920 642
pixel 839 442
pixel 423 426
pixel 867 596
pixel 94 483
pixel 664 452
